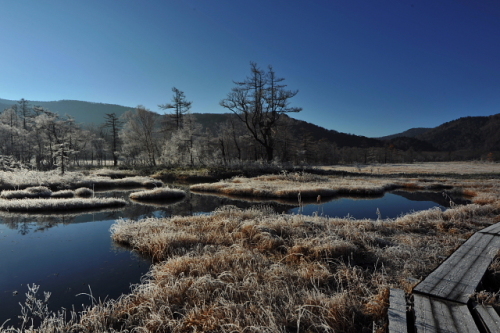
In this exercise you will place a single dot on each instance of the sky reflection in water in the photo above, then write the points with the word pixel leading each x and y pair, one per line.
pixel 73 254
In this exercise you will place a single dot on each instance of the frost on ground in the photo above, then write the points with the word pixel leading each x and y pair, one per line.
pixel 254 270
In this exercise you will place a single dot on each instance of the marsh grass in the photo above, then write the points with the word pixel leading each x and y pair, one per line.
pixel 256 271
pixel 70 180
pixel 30 192
pixel 289 186
pixel 84 192
pixel 236 269
pixel 164 193
pixel 39 192
pixel 113 173
pixel 428 168
pixel 38 205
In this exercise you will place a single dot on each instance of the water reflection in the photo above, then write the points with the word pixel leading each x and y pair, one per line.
pixel 68 253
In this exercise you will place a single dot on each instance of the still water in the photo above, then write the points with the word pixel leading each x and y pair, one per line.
pixel 73 256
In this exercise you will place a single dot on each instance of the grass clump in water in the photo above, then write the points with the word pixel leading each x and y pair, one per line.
pixel 164 193
pixel 253 270
pixel 30 192
pixel 84 192
pixel 37 205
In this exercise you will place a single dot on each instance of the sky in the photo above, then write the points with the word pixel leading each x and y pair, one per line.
pixel 363 67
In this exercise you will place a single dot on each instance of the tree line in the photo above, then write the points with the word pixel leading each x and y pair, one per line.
pixel 258 129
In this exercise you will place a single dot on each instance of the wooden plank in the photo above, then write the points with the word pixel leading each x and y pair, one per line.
pixel 397 311
pixel 492 229
pixel 435 315
pixel 461 273
pixel 489 317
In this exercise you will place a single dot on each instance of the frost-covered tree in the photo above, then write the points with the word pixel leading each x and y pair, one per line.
pixel 141 135
pixel 62 156
pixel 184 147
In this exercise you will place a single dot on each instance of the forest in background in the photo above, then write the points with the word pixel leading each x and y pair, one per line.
pixel 36 136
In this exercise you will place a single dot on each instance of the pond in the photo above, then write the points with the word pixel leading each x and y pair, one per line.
pixel 73 256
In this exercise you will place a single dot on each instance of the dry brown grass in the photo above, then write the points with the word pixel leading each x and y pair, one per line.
pixel 256 271
pixel 163 193
pixel 297 186
pixel 422 168
pixel 243 270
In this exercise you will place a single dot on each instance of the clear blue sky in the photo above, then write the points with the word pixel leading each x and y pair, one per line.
pixel 365 67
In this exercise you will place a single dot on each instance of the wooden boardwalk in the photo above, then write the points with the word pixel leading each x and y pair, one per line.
pixel 441 302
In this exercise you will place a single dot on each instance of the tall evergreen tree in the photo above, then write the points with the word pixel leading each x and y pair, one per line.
pixel 180 105
pixel 114 124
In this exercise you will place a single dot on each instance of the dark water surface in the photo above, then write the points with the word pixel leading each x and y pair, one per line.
pixel 72 254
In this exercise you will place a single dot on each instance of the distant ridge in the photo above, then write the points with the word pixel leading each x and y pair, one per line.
pixel 475 134
pixel 411 133
pixel 83 112
pixel 473 137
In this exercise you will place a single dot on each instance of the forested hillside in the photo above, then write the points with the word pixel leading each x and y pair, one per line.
pixel 44 138
pixel 82 112
pixel 475 134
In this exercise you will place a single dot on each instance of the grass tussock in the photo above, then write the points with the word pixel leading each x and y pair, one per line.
pixel 113 173
pixel 303 185
pixel 243 270
pixel 164 193
pixel 30 192
pixel 70 180
pixel 40 192
pixel 63 194
pixel 38 205
pixel 84 192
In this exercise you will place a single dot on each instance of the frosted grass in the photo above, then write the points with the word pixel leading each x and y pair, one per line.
pixel 70 180
pixel 164 193
pixel 37 205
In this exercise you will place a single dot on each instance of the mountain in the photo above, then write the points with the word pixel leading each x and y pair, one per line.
pixel 405 143
pixel 83 112
pixel 473 134
pixel 479 134
pixel 411 133
pixel 299 129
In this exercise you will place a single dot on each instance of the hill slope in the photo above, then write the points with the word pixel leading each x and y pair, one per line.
pixel 299 129
pixel 83 112
pixel 411 133
pixel 474 134
pixel 480 134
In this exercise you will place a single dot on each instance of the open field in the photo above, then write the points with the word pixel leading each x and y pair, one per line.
pixel 303 185
pixel 427 168
pixel 254 270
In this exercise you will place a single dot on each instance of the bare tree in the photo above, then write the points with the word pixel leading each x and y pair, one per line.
pixel 180 105
pixel 259 101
